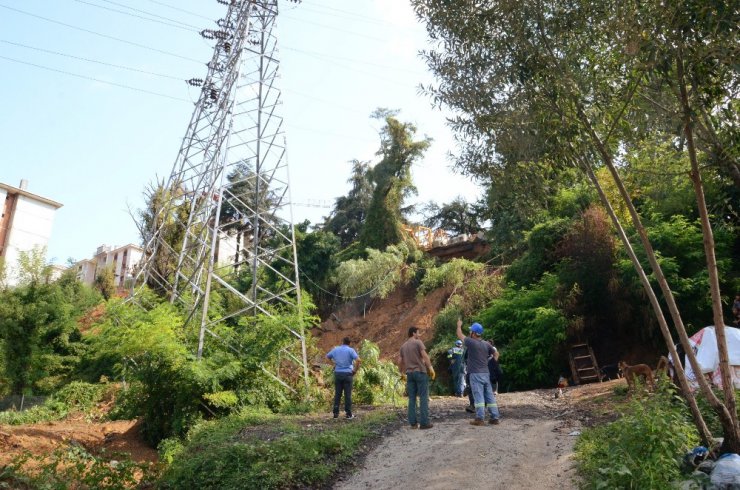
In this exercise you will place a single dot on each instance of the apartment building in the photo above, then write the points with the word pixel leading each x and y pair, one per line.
pixel 122 261
pixel 25 224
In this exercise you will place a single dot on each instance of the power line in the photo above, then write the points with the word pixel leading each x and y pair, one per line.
pixel 180 9
pixel 348 15
pixel 82 29
pixel 351 60
pixel 66 55
pixel 137 16
pixel 120 85
pixel 152 14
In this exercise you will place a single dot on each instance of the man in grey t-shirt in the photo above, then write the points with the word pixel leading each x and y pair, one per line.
pixel 479 352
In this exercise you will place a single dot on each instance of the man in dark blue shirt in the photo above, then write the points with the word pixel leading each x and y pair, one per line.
pixel 346 363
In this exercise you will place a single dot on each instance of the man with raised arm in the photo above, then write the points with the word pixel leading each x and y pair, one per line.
pixel 479 352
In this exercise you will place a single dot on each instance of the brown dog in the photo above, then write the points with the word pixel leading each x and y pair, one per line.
pixel 662 366
pixel 632 372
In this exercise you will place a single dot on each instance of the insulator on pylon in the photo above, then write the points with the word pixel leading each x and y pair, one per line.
pixel 213 94
pixel 225 24
pixel 195 82
pixel 227 2
pixel 253 41
pixel 227 47
pixel 208 34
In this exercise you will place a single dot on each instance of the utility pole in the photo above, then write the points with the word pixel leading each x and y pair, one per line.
pixel 230 184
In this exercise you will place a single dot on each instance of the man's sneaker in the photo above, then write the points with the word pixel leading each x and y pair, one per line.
pixel 494 421
pixel 415 426
pixel 351 416
pixel 477 422
pixel 336 415
pixel 428 426
pixel 470 409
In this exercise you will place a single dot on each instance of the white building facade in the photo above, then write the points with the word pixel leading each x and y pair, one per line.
pixel 121 260
pixel 25 225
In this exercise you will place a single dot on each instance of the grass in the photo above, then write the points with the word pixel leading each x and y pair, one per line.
pixel 261 450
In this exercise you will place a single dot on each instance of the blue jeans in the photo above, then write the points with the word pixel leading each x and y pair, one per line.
pixel 343 384
pixel 480 385
pixel 417 384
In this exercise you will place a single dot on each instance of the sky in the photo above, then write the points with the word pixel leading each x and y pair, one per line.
pixel 95 104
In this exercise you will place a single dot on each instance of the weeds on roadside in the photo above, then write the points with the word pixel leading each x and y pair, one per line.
pixel 262 450
pixel 641 449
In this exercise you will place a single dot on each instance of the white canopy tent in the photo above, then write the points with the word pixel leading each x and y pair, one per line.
pixel 704 343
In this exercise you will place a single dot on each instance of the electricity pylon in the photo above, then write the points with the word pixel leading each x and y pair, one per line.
pixel 229 187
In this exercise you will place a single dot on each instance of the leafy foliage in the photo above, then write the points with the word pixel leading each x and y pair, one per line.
pixel 40 337
pixel 377 381
pixel 376 276
pixel 451 274
pixel 530 334
pixel 642 448
pixel 392 180
pixel 348 216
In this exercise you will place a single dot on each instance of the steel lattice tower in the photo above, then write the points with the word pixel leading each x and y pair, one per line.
pixel 230 182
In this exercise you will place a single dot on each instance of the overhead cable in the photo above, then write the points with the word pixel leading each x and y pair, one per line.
pixel 82 29
pixel 115 84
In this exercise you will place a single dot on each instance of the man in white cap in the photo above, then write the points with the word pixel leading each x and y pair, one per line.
pixel 457 368
pixel 480 382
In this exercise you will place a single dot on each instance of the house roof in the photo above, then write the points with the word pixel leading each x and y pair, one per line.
pixel 15 190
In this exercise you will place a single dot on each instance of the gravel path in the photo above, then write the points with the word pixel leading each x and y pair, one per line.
pixel 531 448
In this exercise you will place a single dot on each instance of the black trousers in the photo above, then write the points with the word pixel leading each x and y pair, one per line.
pixel 343 384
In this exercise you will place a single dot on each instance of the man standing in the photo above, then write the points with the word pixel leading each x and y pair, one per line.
pixel 480 382
pixel 344 357
pixel 457 368
pixel 415 364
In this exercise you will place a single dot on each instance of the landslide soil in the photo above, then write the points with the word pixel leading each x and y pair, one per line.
pixel 110 438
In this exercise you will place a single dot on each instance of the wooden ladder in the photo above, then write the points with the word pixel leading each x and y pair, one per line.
pixel 583 364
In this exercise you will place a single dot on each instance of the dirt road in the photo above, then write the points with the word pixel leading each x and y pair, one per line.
pixel 531 448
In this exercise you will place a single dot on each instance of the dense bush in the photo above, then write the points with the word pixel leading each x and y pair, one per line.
pixel 643 448
pixel 529 333
pixel 377 381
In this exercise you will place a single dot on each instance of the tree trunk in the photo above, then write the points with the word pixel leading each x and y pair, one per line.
pixel 717 405
pixel 704 433
pixel 732 435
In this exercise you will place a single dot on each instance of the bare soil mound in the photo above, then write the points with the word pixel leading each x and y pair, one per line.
pixel 115 437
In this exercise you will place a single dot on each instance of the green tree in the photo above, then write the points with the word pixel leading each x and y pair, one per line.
pixel 456 217
pixel 348 216
pixel 392 179
pixel 105 282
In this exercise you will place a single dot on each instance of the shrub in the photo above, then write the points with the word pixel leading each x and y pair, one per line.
pixel 377 381
pixel 642 449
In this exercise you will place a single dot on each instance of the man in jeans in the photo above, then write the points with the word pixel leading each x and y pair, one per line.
pixel 344 358
pixel 480 382
pixel 416 368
